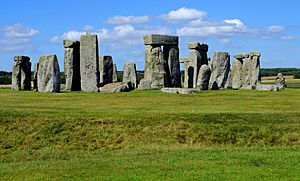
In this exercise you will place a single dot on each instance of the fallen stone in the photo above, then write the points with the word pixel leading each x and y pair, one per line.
pixel 180 90
pixel 280 81
pixel 116 87
pixel 267 87
pixel 89 63
pixel 129 74
pixel 48 74
pixel 247 87
pixel 154 39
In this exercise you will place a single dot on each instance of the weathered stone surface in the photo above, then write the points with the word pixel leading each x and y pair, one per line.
pixel 280 81
pixel 180 90
pixel 154 39
pixel 267 87
pixel 203 77
pixel 145 84
pixel 89 63
pixel 247 87
pixel 198 46
pixel 21 73
pixel 237 74
pixel 48 74
pixel 228 84
pixel 129 74
pixel 183 60
pixel 116 87
pixel 155 66
pixel 35 76
pixel 171 55
pixel 72 65
pixel 220 70
pixel 115 75
pixel 246 72
pixel 241 56
pixel 106 69
pixel 191 69
pixel 255 68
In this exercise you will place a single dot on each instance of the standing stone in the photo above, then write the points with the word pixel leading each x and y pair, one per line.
pixel 220 70
pixel 155 74
pixel 89 63
pixel 129 74
pixel 237 71
pixel 106 69
pixel 255 68
pixel 21 73
pixel 115 75
pixel 197 58
pixel 246 72
pixel 72 65
pixel 203 77
pixel 171 54
pixel 280 81
pixel 35 76
pixel 228 84
pixel 48 74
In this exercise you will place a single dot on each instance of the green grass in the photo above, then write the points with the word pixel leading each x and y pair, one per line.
pixel 213 135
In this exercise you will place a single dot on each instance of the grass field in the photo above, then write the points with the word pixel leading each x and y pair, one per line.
pixel 149 135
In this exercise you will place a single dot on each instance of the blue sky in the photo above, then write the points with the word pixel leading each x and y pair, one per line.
pixel 37 27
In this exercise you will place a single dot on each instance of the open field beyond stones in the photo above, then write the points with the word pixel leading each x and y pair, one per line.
pixel 150 135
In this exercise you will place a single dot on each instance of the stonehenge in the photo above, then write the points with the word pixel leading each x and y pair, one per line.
pixel 72 65
pixel 129 74
pixel 21 73
pixel 48 74
pixel 85 70
pixel 89 63
pixel 161 62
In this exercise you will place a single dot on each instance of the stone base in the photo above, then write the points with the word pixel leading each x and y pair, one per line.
pixel 180 90
pixel 267 87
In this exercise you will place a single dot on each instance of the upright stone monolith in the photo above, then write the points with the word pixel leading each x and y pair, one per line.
pixel 203 77
pixel 72 65
pixel 129 74
pixel 255 68
pixel 35 76
pixel 220 70
pixel 21 73
pixel 106 69
pixel 48 74
pixel 115 75
pixel 89 63
pixel 171 55
pixel 237 70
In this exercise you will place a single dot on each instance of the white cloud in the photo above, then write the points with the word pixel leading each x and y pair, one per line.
pixel 288 37
pixel 224 28
pixel 275 29
pixel 184 14
pixel 16 37
pixel 119 20
pixel 87 28
pixel 224 41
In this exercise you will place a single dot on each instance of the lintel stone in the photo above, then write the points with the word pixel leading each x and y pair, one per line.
pixel 183 60
pixel 21 58
pixel 70 43
pixel 199 46
pixel 241 56
pixel 252 54
pixel 155 39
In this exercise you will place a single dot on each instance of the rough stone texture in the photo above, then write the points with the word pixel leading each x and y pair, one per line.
pixel 145 84
pixel 21 73
pixel 129 74
pixel 72 65
pixel 228 84
pixel 280 81
pixel 241 56
pixel 89 63
pixel 203 77
pixel 115 75
pixel 247 87
pixel 183 60
pixel 198 46
pixel 171 55
pixel 266 87
pixel 48 74
pixel 255 68
pixel 180 90
pixel 106 69
pixel 237 74
pixel 154 39
pixel 116 87
pixel 155 68
pixel 246 72
pixel 35 75
pixel 220 70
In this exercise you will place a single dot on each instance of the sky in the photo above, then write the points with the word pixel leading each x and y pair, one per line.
pixel 38 27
